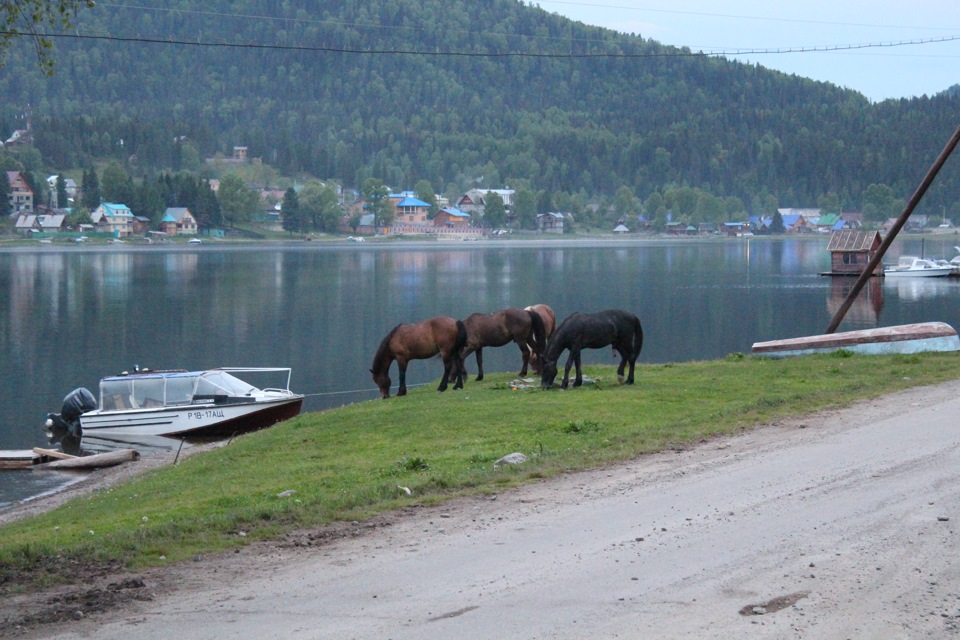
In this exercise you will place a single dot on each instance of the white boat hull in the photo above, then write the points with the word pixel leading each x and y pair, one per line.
pixel 195 420
pixel 919 273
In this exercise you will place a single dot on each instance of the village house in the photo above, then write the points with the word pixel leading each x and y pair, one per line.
pixel 21 195
pixel 735 228
pixel 474 200
pixel 184 222
pixel 410 210
pixel 799 220
pixel 113 218
pixel 451 217
pixel 550 222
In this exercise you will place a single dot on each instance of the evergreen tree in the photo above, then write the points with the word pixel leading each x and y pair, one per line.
pixel 290 209
pixel 4 194
pixel 776 225
pixel 207 207
pixel 61 192
pixel 90 189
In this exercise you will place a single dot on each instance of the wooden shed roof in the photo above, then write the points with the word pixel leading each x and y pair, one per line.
pixel 853 240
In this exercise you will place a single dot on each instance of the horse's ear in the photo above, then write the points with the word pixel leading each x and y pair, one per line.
pixel 371 370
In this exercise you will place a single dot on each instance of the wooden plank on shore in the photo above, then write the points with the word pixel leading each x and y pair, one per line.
pixel 53 453
pixel 98 461
pixel 17 459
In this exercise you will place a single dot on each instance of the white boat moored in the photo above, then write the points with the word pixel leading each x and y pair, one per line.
pixel 912 266
pixel 197 404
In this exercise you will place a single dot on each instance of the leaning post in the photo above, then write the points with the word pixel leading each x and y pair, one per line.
pixel 894 230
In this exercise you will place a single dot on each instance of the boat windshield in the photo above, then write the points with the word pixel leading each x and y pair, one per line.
pixel 222 383
pixel 145 391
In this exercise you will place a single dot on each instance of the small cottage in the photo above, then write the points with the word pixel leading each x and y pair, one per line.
pixel 851 251
pixel 451 217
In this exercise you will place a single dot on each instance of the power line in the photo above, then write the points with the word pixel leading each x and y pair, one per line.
pixel 704 14
pixel 665 52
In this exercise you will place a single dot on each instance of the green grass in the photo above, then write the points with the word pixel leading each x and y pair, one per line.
pixel 356 461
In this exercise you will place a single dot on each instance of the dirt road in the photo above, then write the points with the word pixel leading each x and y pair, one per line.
pixel 840 525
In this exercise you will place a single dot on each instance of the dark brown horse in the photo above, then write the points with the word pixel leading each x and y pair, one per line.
pixel 499 328
pixel 549 324
pixel 406 342
pixel 615 327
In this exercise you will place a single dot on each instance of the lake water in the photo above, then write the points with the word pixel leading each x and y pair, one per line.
pixel 69 316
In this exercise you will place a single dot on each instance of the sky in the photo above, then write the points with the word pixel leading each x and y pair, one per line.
pixel 773 33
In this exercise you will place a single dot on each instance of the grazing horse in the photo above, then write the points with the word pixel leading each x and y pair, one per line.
pixel 549 324
pixel 406 342
pixel 616 327
pixel 497 329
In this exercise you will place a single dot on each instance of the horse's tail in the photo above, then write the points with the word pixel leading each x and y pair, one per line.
pixel 539 333
pixel 637 338
pixel 461 340
pixel 458 346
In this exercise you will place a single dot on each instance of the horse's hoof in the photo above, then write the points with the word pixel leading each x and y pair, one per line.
pixel 478 378
pixel 620 379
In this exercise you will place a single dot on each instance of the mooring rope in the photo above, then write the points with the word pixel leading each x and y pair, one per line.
pixel 338 393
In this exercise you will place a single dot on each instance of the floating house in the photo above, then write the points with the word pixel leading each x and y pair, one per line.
pixel 851 251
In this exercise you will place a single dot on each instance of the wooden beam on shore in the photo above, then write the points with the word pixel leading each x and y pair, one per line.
pixel 98 461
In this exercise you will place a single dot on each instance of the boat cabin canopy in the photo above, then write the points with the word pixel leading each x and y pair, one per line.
pixel 161 389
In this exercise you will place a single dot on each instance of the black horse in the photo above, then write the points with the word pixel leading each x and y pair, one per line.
pixel 615 327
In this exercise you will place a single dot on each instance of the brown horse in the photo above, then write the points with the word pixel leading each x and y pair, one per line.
pixel 406 342
pixel 497 329
pixel 549 324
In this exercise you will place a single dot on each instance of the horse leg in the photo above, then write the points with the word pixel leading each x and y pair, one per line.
pixel 460 372
pixel 579 379
pixel 534 362
pixel 633 361
pixel 525 354
pixel 623 364
pixel 446 371
pixel 402 367
pixel 479 353
pixel 566 370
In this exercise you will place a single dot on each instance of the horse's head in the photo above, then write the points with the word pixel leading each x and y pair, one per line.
pixel 549 373
pixel 382 381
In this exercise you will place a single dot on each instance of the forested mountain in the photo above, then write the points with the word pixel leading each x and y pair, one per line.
pixel 471 93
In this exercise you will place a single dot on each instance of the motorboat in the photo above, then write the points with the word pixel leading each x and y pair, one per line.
pixel 177 403
pixel 913 266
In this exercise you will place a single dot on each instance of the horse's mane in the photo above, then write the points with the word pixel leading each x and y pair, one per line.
pixel 383 354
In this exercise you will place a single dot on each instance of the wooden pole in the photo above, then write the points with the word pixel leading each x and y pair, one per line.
pixel 894 230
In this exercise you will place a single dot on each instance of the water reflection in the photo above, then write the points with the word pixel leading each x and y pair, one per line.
pixel 864 311
pixel 913 289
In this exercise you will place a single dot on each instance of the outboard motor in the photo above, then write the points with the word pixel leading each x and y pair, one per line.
pixel 64 427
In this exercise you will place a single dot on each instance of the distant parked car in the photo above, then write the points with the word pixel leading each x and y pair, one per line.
pixel 355 238
pixel 194 241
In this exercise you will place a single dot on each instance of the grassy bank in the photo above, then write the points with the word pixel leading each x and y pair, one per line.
pixel 358 460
